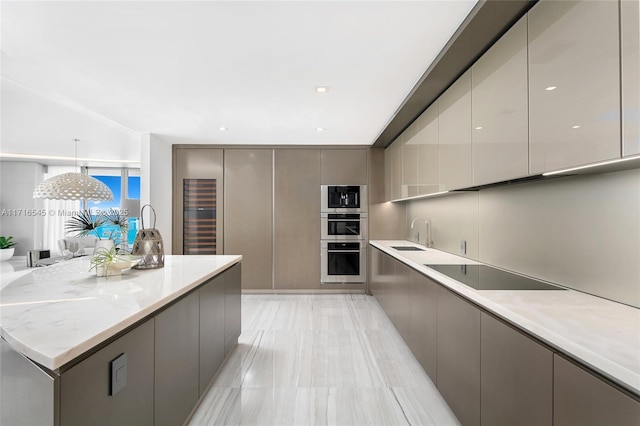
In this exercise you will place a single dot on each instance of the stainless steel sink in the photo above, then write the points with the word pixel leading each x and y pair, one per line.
pixel 407 248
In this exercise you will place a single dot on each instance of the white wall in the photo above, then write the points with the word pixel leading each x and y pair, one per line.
pixel 453 218
pixel 156 180
pixel 582 232
pixel 39 125
pixel 17 182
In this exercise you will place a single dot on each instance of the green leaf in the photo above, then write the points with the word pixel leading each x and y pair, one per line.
pixel 84 224
pixel 6 242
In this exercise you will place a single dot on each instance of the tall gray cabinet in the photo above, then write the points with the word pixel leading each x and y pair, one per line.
pixel 249 213
pixel 189 165
pixel 296 237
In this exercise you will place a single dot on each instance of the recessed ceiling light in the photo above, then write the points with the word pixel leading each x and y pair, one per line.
pixel 319 129
pixel 575 127
pixel 222 128
pixel 550 88
pixel 322 89
pixel 479 128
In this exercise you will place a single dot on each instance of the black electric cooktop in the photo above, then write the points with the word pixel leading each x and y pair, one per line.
pixel 483 277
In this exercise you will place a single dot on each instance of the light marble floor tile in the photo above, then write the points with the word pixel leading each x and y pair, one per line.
pixel 320 360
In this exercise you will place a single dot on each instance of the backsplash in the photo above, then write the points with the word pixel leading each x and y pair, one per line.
pixel 582 232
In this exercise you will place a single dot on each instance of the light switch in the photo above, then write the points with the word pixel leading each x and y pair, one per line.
pixel 118 374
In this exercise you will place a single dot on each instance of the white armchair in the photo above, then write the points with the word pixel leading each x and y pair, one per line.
pixel 78 246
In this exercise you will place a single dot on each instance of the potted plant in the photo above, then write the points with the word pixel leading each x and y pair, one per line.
pixel 6 248
pixel 118 221
pixel 109 262
pixel 84 224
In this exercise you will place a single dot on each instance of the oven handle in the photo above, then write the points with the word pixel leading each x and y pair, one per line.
pixel 343 251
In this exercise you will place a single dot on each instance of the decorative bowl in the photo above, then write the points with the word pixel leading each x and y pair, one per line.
pixel 6 254
pixel 122 264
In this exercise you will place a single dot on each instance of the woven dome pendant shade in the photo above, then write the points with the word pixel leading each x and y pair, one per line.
pixel 73 186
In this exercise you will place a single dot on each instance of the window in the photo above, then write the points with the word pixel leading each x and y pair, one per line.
pixel 125 185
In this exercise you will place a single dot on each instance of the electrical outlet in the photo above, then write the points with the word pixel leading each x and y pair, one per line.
pixel 463 246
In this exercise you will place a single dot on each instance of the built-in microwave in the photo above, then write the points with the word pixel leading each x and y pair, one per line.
pixel 343 198
pixel 343 226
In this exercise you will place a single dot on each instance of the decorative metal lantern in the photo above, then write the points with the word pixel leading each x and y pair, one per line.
pixel 148 244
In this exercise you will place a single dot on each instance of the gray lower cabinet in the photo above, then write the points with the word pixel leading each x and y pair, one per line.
pixel 458 356
pixel 162 365
pixel 27 392
pixel 86 392
pixel 422 323
pixel 517 377
pixel 388 299
pixel 176 361
pixel 402 300
pixel 488 372
pixel 212 333
pixel 580 398
pixel 232 307
pixel 376 273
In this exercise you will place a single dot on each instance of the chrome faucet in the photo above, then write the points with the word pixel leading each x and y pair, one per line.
pixel 427 223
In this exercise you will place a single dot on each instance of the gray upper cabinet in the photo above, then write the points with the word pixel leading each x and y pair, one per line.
pixel 455 135
pixel 500 109
pixel 574 83
pixel 410 162
pixel 393 169
pixel 248 228
pixel 297 219
pixel 427 140
pixel 343 166
pixel 630 31
pixel 582 399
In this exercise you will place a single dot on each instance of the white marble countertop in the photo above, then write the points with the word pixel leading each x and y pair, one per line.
pixel 54 314
pixel 599 333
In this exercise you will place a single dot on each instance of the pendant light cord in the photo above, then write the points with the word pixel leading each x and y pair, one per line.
pixel 76 141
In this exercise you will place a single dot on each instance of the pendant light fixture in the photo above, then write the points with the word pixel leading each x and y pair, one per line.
pixel 73 186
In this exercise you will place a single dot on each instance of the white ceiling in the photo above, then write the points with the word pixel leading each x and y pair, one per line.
pixel 182 69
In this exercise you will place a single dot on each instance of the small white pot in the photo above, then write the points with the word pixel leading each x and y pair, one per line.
pixel 105 244
pixel 6 254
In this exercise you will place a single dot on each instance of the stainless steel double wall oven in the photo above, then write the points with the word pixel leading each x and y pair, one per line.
pixel 344 227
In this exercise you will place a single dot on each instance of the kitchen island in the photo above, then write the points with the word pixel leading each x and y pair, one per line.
pixel 511 356
pixel 140 348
